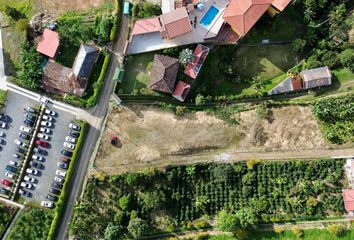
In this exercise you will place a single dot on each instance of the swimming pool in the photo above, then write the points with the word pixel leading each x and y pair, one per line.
pixel 209 16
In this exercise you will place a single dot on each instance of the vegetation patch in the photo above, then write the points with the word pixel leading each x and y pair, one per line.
pixel 140 203
pixel 33 224
pixel 2 97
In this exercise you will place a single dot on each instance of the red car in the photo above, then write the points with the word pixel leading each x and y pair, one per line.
pixel 65 159
pixel 5 182
pixel 42 143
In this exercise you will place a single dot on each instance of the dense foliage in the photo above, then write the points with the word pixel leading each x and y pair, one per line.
pixel 5 216
pixel 138 203
pixel 337 118
pixel 31 70
pixel 145 9
pixel 33 224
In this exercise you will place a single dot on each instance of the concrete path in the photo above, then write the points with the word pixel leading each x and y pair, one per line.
pixel 2 65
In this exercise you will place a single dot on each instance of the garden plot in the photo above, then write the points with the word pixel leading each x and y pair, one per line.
pixel 154 137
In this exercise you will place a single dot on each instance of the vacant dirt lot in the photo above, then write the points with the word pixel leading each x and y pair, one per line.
pixel 151 136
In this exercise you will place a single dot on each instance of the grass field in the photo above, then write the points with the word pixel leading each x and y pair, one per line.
pixel 343 75
pixel 67 54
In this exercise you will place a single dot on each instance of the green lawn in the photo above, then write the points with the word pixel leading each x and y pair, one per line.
pixel 343 75
pixel 24 6
pixel 136 75
pixel 67 54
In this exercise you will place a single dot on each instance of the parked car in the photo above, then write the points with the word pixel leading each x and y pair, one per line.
pixel 16 155
pixel 2 141
pixel 3 191
pixel 30 117
pixel 5 182
pixel 13 163
pixel 42 143
pixel 26 185
pixel 3 125
pixel 29 179
pixel 66 153
pixel 31 110
pixel 39 151
pixel 62 165
pixel 19 143
pixel 70 139
pixel 11 168
pixel 50 112
pixel 51 197
pixel 69 145
pixel 58 179
pixel 28 123
pixel 47 118
pixel 54 191
pixel 38 158
pixel 3 117
pixel 32 171
pixel 36 164
pixel 74 127
pixel 24 192
pixel 43 136
pixel 47 204
pixel 24 136
pixel 9 175
pixel 20 150
pixel 46 124
pixel 60 173
pixel 64 159
pixel 45 130
pixel 74 134
pixel 2 134
pixel 26 129
pixel 57 185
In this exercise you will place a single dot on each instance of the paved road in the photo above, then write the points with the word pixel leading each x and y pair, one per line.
pixel 93 134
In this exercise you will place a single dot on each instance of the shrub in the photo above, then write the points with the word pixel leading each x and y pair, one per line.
pixel 199 100
pixel 202 236
pixel 22 25
pixel 186 56
pixel 180 110
pixel 137 227
pixel 298 231
pixel 241 234
pixel 251 163
pixel 347 58
pixel 278 229
pixel 336 229
pixel 201 224
pixel 125 202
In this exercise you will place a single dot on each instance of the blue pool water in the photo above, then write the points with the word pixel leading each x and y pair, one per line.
pixel 209 16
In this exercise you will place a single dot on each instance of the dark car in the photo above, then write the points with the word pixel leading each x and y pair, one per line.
pixel 51 197
pixel 24 136
pixel 20 150
pixel 66 153
pixel 63 165
pixel 30 117
pixel 54 191
pixel 74 134
pixel 31 110
pixel 11 169
pixel 57 185
pixel 40 151
pixel 3 191
pixel 28 123
pixel 36 164
pixel 3 117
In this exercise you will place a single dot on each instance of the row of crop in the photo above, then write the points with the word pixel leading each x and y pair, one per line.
pixel 60 205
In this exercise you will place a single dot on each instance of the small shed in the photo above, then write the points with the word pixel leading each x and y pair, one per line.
pixel 118 75
pixel 316 77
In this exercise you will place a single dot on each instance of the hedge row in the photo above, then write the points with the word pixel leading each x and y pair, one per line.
pixel 58 211
pixel 114 29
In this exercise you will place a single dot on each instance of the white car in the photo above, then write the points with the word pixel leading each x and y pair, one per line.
pixel 69 145
pixel 50 112
pixel 3 125
pixel 32 171
pixel 26 185
pixel 46 124
pixel 2 134
pixel 47 204
pixel 15 155
pixel 13 163
pixel 26 129
pixel 9 175
pixel 45 130
pixel 70 139
pixel 58 179
pixel 38 158
pixel 74 126
pixel 43 136
pixel 19 143
pixel 47 118
pixel 29 179
pixel 60 173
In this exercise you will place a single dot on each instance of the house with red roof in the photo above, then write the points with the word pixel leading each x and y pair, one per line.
pixel 147 25
pixel 175 23
pixel 200 54
pixel 348 197
pixel 48 43
pixel 181 91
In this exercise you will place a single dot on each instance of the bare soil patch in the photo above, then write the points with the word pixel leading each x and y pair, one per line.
pixel 150 136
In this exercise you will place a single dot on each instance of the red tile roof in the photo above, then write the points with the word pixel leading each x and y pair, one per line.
pixel 48 43
pixel 175 23
pixel 348 196
pixel 241 15
pixel 200 54
pixel 147 25
pixel 181 91
pixel 280 4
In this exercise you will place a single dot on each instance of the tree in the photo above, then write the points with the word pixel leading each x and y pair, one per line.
pixel 132 179
pixel 247 218
pixel 347 58
pixel 137 227
pixel 258 84
pixel 201 202
pixel 125 202
pixel 103 28
pixel 336 229
pixel 298 45
pixel 186 56
pixel 152 199
pixel 227 221
pixel 190 169
pixel 298 231
pixel 22 25
pixel 113 232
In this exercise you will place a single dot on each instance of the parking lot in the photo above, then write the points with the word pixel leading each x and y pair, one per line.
pixel 14 109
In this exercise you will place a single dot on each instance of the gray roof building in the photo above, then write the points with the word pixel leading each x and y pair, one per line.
pixel 316 77
pixel 84 61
